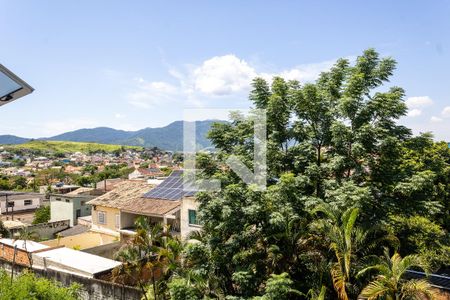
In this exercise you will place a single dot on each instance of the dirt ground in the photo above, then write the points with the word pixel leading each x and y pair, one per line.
pixel 24 217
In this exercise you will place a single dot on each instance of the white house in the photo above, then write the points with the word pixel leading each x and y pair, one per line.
pixel 18 201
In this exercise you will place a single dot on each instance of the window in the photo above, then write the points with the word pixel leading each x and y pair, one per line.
pixel 27 202
pixel 67 200
pixel 58 199
pixel 101 217
pixel 83 203
pixel 193 217
pixel 117 221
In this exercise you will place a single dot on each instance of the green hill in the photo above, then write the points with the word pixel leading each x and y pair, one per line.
pixel 168 138
pixel 68 147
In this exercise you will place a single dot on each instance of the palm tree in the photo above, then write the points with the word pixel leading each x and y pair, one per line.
pixel 349 243
pixel 390 282
pixel 344 240
pixel 131 268
pixel 152 252
pixel 314 295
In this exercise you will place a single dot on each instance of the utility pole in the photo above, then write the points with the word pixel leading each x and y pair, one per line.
pixel 6 204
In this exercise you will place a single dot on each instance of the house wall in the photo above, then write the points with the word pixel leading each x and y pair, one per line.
pixel 106 251
pixel 110 225
pixel 19 204
pixel 127 219
pixel 82 241
pixel 61 210
pixel 186 228
pixel 65 208
pixel 7 253
pixel 80 203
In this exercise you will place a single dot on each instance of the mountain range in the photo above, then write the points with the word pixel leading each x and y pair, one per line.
pixel 169 137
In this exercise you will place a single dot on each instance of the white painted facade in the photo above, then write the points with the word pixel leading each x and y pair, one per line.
pixel 25 203
pixel 187 204
pixel 63 207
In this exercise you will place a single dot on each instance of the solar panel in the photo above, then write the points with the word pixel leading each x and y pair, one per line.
pixel 172 188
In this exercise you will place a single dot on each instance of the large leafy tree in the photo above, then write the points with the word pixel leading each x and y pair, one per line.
pixel 335 141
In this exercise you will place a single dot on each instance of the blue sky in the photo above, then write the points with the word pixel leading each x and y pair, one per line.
pixel 136 64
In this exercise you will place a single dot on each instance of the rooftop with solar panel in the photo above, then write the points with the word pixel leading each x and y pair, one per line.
pixel 172 188
pixel 171 203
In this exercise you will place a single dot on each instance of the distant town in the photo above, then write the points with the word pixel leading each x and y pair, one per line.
pixel 71 212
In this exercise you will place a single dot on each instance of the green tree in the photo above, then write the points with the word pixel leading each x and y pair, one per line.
pixel 89 170
pixel 390 282
pixel 151 257
pixel 19 183
pixel 4 184
pixel 4 232
pixel 335 141
pixel 28 286
pixel 42 215
pixel 350 244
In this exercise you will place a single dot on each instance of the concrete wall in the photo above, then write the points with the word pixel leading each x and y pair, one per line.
pixel 186 228
pixel 45 231
pixel 91 289
pixel 83 241
pixel 106 251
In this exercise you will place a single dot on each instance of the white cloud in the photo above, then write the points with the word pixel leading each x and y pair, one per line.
pixel 150 94
pixel 418 102
pixel 307 72
pixel 223 75
pixel 435 119
pixel 414 112
pixel 219 76
pixel 446 111
pixel 119 116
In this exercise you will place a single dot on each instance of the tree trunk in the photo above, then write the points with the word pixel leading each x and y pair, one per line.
pixel 318 183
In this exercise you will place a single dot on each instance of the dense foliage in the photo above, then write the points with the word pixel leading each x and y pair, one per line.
pixel 345 181
pixel 27 286
pixel 42 215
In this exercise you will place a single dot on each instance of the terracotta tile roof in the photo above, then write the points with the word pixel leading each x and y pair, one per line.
pixel 121 195
pixel 151 206
pixel 127 196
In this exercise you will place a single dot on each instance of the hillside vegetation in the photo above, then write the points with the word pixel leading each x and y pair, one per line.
pixel 169 138
pixel 69 147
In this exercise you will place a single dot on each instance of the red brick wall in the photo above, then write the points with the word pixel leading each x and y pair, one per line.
pixel 7 253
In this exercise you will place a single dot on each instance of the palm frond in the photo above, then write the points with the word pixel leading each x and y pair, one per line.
pixel 374 290
pixel 418 288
